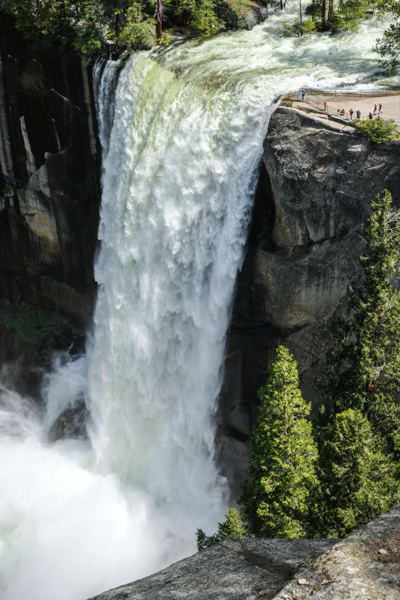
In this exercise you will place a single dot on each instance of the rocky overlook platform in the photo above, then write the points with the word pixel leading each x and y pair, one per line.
pixel 364 566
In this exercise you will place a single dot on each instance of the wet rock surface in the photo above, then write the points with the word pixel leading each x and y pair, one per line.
pixel 231 570
pixel 29 344
pixel 49 176
pixel 312 201
pixel 71 424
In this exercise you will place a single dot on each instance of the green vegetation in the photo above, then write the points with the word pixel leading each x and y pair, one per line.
pixel 389 45
pixel 87 26
pixel 294 490
pixel 282 456
pixel 379 131
pixel 363 368
pixel 232 528
pixel 26 321
pixel 357 479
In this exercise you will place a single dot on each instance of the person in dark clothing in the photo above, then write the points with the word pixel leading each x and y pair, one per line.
pixel 370 116
pixel 351 113
pixel 358 113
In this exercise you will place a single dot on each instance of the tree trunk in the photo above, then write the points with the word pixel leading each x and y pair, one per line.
pixel 323 13
pixel 301 18
pixel 330 11
pixel 159 21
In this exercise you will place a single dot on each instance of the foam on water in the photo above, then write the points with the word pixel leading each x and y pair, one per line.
pixel 180 164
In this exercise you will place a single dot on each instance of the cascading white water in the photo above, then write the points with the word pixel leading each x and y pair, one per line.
pixel 77 517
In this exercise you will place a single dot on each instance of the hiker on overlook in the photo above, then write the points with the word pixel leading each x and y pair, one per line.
pixel 358 113
pixel 351 113
pixel 380 108
pixel 370 115
pixel 374 108
pixel 325 105
pixel 303 93
pixel 342 112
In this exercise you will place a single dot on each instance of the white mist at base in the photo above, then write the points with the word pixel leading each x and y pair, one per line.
pixel 79 517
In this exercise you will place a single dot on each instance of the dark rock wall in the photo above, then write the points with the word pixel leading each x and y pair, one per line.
pixel 311 206
pixel 50 172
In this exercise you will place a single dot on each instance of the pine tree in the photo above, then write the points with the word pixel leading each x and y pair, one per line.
pixel 232 528
pixel 282 457
pixel 357 479
pixel 364 366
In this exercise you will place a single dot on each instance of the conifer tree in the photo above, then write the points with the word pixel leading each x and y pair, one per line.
pixel 363 368
pixel 282 457
pixel 357 479
pixel 232 528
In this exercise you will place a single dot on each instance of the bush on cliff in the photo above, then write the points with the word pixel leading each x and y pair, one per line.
pixel 282 457
pixel 378 131
pixel 363 368
pixel 357 480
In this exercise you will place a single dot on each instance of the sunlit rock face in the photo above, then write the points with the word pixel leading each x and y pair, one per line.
pixel 49 181
pixel 312 202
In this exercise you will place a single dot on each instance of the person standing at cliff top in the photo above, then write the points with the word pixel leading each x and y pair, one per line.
pixel 358 113
pixel 374 108
pixel 370 115
pixel 351 113
pixel 380 108
pixel 325 105
pixel 303 93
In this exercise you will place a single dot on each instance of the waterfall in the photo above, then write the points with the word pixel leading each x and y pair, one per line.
pixel 181 130
pixel 175 208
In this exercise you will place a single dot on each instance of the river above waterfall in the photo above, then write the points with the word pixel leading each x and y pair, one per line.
pixel 180 167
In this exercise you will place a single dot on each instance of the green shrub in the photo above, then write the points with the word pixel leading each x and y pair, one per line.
pixel 378 131
pixel 26 322
pixel 289 104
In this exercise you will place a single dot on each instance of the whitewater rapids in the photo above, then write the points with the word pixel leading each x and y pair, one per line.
pixel 180 166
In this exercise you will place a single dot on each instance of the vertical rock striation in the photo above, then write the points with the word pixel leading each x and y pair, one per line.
pixel 49 182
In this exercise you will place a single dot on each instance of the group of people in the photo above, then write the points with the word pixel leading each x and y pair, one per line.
pixel 358 113
pixel 351 113
pixel 342 112
pixel 371 116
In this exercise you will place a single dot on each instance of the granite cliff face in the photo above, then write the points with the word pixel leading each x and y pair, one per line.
pixel 49 204
pixel 313 199
pixel 49 183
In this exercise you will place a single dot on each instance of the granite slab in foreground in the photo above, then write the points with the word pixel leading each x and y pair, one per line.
pixel 364 566
pixel 232 570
